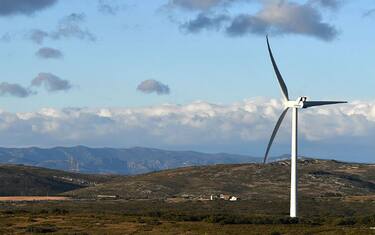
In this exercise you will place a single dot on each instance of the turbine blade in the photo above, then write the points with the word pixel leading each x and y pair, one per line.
pixel 281 118
pixel 308 104
pixel 283 87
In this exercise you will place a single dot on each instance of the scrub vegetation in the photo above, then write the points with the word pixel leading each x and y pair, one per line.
pixel 335 198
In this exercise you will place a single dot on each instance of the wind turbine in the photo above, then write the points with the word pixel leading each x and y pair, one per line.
pixel 300 103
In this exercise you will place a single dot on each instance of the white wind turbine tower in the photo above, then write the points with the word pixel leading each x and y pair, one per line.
pixel 300 103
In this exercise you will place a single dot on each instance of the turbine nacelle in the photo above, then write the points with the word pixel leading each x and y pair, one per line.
pixel 298 103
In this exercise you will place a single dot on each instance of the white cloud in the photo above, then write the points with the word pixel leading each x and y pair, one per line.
pixel 49 53
pixel 284 18
pixel 195 4
pixel 15 90
pixel 27 7
pixel 238 127
pixel 153 86
pixel 51 82
pixel 69 27
pixel 273 17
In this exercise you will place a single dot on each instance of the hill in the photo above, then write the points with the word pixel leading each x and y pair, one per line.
pixel 317 178
pixel 114 161
pixel 19 180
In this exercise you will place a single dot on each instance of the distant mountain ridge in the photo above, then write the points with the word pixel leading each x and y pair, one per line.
pixel 115 161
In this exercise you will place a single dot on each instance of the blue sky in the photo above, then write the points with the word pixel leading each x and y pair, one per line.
pixel 140 41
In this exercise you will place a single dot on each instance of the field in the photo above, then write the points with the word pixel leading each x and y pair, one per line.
pixel 99 224
pixel 186 217
pixel 334 198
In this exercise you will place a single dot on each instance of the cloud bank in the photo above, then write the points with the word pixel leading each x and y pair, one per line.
pixel 242 127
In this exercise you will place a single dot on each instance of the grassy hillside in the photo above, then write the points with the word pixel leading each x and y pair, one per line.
pixel 19 180
pixel 317 178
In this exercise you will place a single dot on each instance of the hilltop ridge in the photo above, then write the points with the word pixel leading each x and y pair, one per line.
pixel 317 178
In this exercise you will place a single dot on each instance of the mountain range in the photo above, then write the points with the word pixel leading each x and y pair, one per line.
pixel 115 161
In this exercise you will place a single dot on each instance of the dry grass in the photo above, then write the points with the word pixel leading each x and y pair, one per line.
pixel 32 198
pixel 366 198
pixel 187 217
pixel 117 224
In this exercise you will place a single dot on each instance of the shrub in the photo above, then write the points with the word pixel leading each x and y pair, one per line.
pixel 368 220
pixel 313 221
pixel 41 228
pixel 289 220
pixel 155 214
pixel 275 233
pixel 346 221
pixel 43 211
pixel 58 211
pixel 8 212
